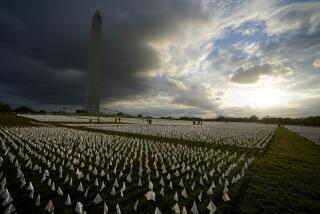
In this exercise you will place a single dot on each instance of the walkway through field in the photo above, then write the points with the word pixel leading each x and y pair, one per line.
pixel 285 180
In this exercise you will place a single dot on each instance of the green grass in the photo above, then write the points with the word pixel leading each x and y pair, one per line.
pixel 14 120
pixel 285 180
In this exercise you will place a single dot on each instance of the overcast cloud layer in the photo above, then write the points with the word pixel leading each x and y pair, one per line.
pixel 181 57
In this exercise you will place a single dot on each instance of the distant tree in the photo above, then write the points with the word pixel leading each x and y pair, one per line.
pixel 5 108
pixel 253 118
pixel 140 115
pixel 120 113
pixel 42 112
pixel 23 109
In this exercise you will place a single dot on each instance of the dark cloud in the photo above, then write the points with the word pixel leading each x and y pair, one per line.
pixel 252 74
pixel 44 46
pixel 196 95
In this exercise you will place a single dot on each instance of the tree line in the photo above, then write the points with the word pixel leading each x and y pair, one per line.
pixel 6 109
pixel 307 121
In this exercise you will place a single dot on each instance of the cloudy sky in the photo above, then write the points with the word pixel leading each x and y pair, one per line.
pixel 166 57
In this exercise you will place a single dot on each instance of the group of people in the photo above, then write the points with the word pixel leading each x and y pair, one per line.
pixel 149 120
pixel 194 122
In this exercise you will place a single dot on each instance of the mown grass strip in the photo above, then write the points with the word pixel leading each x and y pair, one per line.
pixel 285 180
pixel 14 120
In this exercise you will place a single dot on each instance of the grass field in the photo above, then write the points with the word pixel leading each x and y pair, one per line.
pixel 285 180
pixel 13 120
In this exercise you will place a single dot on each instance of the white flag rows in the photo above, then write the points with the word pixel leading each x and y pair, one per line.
pixel 107 166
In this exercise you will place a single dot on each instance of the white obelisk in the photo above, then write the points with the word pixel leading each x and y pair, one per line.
pixel 92 104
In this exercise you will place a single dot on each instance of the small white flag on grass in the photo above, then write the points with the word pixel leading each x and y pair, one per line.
pixel 30 186
pixel 150 185
pixel 175 197
pixel 181 183
pixel 70 182
pixel 194 208
pixel 80 187
pixel 211 207
pixel 53 187
pixel 192 186
pixel 31 194
pixel 38 200
pixel 118 209
pixel 59 191
pixel 129 178
pixel 115 183
pixel 225 197
pixel 105 208
pixel 225 189
pixel 113 191
pixel 102 186
pixel 86 192
pixel 68 200
pixel 10 209
pixel 176 208
pixel 96 182
pixel 97 199
pixel 200 196
pixel 135 208
pixel 150 195
pixel 157 211
pixel 49 208
pixel 79 208
pixel 184 193
pixel 210 191
pixel 162 192
pixel 184 210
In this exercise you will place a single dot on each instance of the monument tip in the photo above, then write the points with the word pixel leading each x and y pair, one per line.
pixel 98 14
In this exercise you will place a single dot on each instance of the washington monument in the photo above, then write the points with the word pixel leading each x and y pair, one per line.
pixel 92 101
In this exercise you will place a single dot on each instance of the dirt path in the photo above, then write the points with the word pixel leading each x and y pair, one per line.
pixel 285 180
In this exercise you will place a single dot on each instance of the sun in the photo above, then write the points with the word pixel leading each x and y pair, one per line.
pixel 265 98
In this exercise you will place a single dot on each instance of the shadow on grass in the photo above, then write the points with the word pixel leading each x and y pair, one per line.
pixel 285 180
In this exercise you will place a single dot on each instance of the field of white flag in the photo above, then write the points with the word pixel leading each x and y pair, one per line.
pixel 310 133
pixel 227 134
pixel 66 170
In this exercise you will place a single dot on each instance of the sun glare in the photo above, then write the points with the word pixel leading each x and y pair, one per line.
pixel 266 98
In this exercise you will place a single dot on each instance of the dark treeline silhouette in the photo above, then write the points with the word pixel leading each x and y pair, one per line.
pixel 307 121
pixel 6 109
pixel 190 118
pixel 253 118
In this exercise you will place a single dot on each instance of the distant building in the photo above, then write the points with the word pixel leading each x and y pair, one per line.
pixel 92 96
